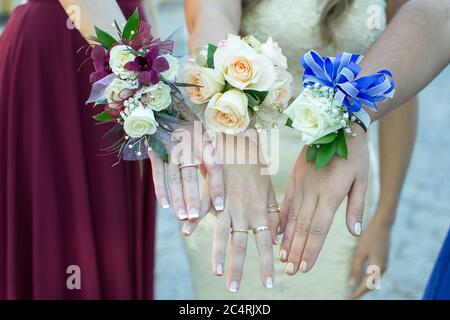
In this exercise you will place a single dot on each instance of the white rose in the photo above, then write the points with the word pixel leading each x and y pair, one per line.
pixel 281 92
pixel 117 92
pixel 271 50
pixel 140 122
pixel 174 68
pixel 242 66
pixel 157 97
pixel 311 116
pixel 208 82
pixel 119 56
pixel 228 112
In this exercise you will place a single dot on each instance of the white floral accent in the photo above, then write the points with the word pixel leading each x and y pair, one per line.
pixel 157 97
pixel 140 122
pixel 119 56
pixel 174 68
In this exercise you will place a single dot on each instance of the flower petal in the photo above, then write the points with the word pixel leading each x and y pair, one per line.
pixel 132 66
pixel 153 52
pixel 160 65
pixel 154 77
pixel 145 78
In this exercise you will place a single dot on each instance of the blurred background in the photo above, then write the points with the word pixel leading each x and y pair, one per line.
pixel 423 216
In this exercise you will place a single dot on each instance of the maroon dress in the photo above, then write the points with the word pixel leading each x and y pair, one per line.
pixel 61 204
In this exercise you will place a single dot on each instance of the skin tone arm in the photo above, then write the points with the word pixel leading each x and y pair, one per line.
pixel 397 133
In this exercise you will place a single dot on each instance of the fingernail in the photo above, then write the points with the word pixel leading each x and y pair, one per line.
pixel 186 230
pixel 193 213
pixel 218 204
pixel 283 255
pixel 182 215
pixel 290 268
pixel 165 203
pixel 219 269
pixel 276 239
pixel 303 266
pixel 358 228
pixel 269 282
pixel 233 286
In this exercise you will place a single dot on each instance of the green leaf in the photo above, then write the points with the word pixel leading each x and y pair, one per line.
pixel 342 150
pixel 104 117
pixel 252 101
pixel 326 139
pixel 311 153
pixel 289 123
pixel 159 148
pixel 210 60
pixel 105 39
pixel 131 27
pixel 227 87
pixel 325 154
pixel 259 95
pixel 186 85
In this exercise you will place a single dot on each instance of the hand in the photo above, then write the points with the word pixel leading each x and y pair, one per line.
pixel 184 182
pixel 372 250
pixel 246 207
pixel 313 197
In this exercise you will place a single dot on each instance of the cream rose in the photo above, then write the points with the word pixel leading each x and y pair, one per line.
pixel 311 115
pixel 281 92
pixel 208 82
pixel 140 122
pixel 242 67
pixel 272 51
pixel 174 68
pixel 119 56
pixel 157 97
pixel 228 112
pixel 116 92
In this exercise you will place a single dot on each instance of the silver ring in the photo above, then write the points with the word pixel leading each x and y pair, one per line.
pixel 190 165
pixel 259 229
pixel 239 230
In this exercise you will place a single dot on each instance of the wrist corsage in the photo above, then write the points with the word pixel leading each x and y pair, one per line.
pixel 135 84
pixel 333 101
pixel 239 83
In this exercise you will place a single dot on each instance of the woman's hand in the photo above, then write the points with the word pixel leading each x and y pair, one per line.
pixel 249 195
pixel 372 250
pixel 312 199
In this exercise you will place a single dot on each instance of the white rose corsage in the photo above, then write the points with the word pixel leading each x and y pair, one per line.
pixel 241 82
pixel 332 101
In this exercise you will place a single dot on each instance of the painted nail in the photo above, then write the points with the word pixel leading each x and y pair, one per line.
pixel 290 268
pixel 233 286
pixel 276 239
pixel 182 214
pixel 219 269
pixel 283 255
pixel 303 266
pixel 218 204
pixel 358 228
pixel 193 213
pixel 187 229
pixel 165 203
pixel 269 282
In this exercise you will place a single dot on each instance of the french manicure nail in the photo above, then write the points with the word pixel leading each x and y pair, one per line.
pixel 283 255
pixel 186 230
pixel 276 239
pixel 182 214
pixel 269 282
pixel 165 203
pixel 303 266
pixel 218 204
pixel 193 213
pixel 233 286
pixel 290 268
pixel 358 228
pixel 219 269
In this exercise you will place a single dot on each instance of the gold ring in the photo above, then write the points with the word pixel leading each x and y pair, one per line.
pixel 274 210
pixel 273 205
pixel 239 230
pixel 259 229
pixel 190 165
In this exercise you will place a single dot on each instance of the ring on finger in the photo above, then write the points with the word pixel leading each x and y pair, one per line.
pixel 259 229
pixel 239 230
pixel 189 165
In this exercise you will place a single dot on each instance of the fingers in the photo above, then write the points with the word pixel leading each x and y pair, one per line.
pixel 265 251
pixel 237 257
pixel 219 250
pixel 356 270
pixel 274 216
pixel 176 189
pixel 216 185
pixel 205 207
pixel 301 230
pixel 159 179
pixel 287 202
pixel 191 192
pixel 355 206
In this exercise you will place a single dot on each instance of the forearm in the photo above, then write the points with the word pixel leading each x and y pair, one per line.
pixel 397 135
pixel 213 20
pixel 415 47
pixel 92 13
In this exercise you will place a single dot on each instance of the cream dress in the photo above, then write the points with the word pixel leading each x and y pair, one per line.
pixel 294 24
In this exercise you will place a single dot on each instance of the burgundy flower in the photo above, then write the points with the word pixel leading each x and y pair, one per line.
pixel 100 59
pixel 149 66
pixel 144 37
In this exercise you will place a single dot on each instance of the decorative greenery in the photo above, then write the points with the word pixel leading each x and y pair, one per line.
pixel 289 123
pixel 323 150
pixel 131 27
pixel 104 38
pixel 104 117
pixel 210 59
pixel 342 150
pixel 159 148
pixel 255 98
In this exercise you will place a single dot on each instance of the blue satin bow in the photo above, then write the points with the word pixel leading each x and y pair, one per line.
pixel 340 73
